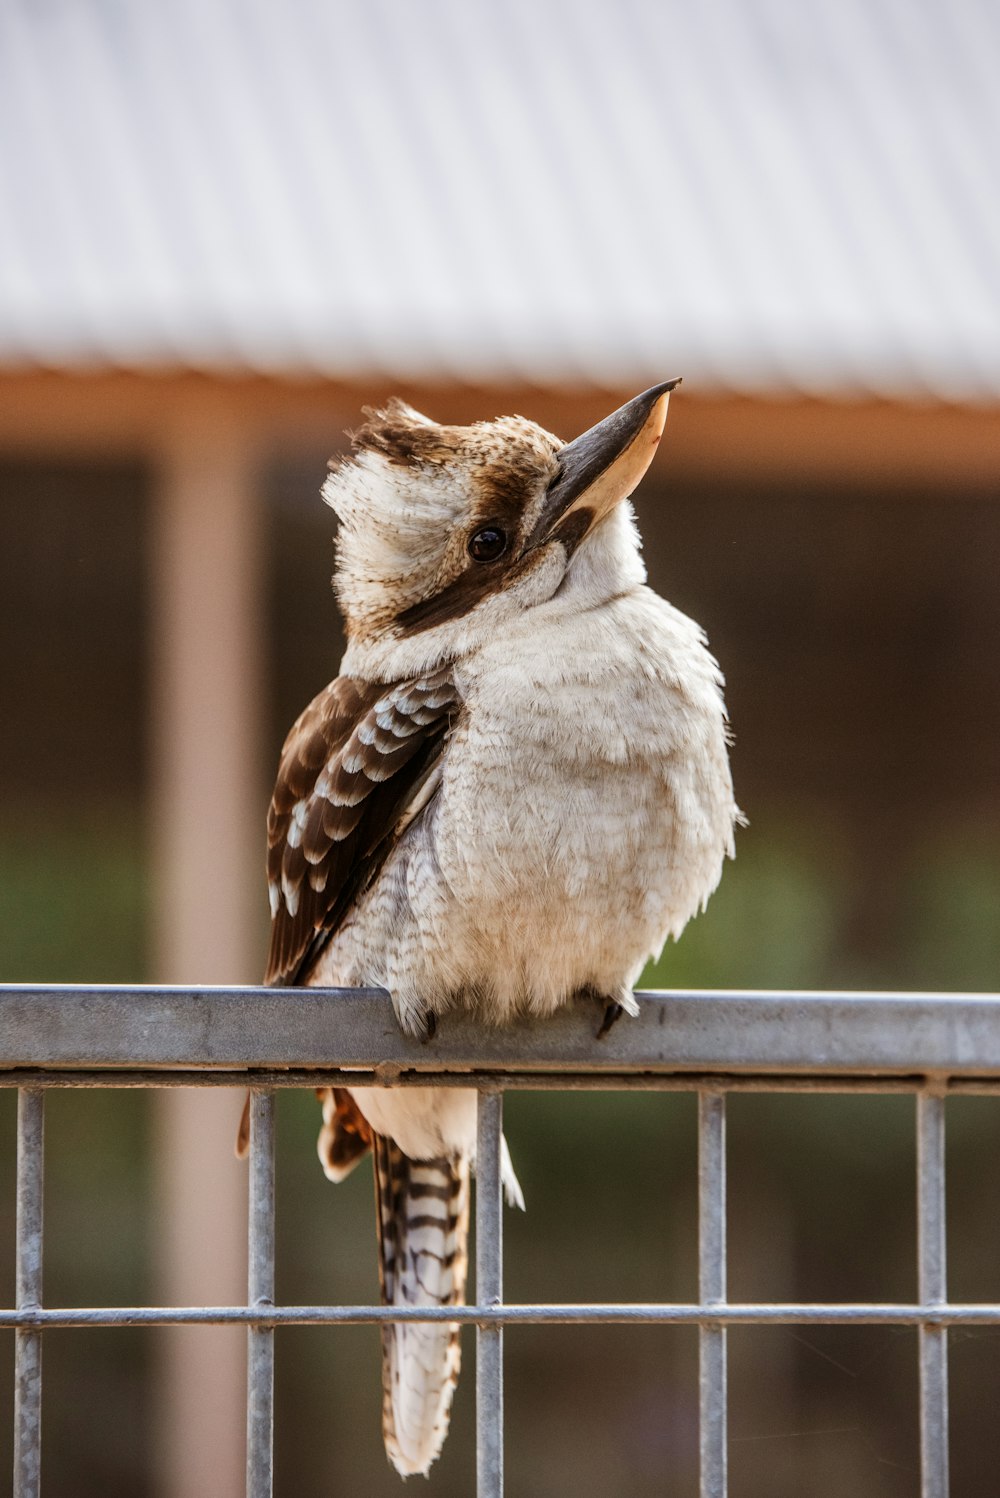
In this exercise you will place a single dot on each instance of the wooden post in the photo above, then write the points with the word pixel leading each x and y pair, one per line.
pixel 208 859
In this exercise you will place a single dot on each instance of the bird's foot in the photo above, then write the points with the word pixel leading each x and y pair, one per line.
pixel 623 1002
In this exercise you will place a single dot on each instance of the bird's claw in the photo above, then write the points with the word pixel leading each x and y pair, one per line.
pixel 622 1001
pixel 613 1012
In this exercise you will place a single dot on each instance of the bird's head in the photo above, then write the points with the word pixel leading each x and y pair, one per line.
pixel 447 533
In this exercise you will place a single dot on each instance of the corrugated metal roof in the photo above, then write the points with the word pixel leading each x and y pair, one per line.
pixel 766 194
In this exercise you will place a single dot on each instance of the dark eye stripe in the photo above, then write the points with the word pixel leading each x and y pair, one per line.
pixel 460 596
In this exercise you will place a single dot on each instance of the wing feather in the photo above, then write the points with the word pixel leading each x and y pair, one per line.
pixel 351 765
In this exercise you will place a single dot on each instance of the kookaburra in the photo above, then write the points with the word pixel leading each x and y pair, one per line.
pixel 516 789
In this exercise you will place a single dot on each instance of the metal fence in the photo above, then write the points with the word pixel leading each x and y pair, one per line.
pixel 712 1043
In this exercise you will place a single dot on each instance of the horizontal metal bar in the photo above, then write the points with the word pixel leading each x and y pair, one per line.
pixel 704 1032
pixel 484 1315
pixel 509 1081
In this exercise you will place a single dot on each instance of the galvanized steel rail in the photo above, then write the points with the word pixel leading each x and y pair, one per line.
pixel 712 1043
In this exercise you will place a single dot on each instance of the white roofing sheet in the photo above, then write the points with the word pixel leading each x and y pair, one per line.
pixel 763 194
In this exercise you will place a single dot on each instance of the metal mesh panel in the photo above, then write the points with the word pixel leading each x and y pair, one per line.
pixel 929 1045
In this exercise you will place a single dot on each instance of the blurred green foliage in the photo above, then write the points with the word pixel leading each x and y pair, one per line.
pixel 74 893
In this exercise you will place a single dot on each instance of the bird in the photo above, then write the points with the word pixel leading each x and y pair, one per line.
pixel 515 790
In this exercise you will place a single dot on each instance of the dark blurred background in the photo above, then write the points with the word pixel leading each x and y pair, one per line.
pixel 223 231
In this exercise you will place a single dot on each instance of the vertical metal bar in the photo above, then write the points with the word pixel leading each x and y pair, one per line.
pixel 28 1344
pixel 931 1253
pixel 260 1293
pixel 712 1290
pixel 489 1292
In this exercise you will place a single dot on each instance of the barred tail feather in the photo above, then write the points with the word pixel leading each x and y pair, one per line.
pixel 422 1208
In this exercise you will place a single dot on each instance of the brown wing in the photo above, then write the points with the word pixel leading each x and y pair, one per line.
pixel 351 764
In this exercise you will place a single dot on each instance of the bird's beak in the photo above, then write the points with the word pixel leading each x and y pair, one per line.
pixel 604 466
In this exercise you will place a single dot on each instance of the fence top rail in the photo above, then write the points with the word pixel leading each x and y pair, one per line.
pixel 249 1030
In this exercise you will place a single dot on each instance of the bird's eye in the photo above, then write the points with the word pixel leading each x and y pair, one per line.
pixel 488 544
